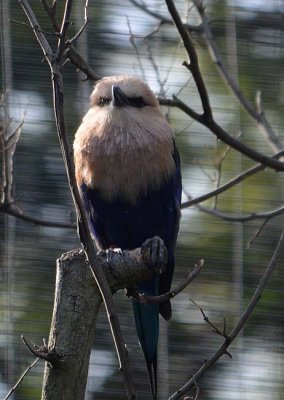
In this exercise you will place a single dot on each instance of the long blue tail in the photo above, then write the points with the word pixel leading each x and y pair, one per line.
pixel 147 327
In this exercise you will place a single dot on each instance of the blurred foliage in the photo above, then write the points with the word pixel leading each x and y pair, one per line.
pixel 232 269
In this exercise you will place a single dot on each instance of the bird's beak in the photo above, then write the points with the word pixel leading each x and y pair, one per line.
pixel 119 98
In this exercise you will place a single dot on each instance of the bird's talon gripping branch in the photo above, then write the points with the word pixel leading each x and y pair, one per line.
pixel 154 253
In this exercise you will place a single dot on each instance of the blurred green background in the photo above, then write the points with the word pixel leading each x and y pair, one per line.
pixel 250 37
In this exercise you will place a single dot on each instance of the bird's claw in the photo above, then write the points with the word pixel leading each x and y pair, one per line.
pixel 154 253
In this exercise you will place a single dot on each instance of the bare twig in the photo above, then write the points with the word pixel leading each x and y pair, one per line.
pixel 63 30
pixel 133 44
pixel 192 65
pixel 257 115
pixel 8 148
pixel 233 182
pixel 71 52
pixel 239 325
pixel 43 352
pixel 14 21
pixel 214 327
pixel 197 392
pixel 9 141
pixel 142 298
pixel 51 12
pixel 242 218
pixel 81 30
pixel 163 20
pixel 16 212
pixel 206 118
pixel 219 165
pixel 19 381
pixel 79 62
pixel 258 232
pixel 221 134
pixel 55 63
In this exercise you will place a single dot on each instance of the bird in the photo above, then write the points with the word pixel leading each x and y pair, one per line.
pixel 127 169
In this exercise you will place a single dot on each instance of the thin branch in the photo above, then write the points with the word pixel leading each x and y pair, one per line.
pixel 81 30
pixel 8 205
pixel 233 182
pixel 242 218
pixel 238 327
pixel 193 60
pixel 206 118
pixel 219 166
pixel 79 62
pixel 71 52
pixel 258 232
pixel 133 44
pixel 163 20
pixel 51 12
pixel 175 102
pixel 14 21
pixel 19 381
pixel 8 143
pixel 46 49
pixel 63 30
pixel 257 115
pixel 145 299
pixel 43 352
pixel 83 228
pixel 221 134
pixel 213 326
pixel 16 212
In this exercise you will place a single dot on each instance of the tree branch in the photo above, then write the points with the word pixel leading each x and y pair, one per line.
pixel 193 60
pixel 71 52
pixel 221 134
pixel 238 327
pixel 257 115
pixel 163 20
pixel 8 143
pixel 55 63
pixel 19 381
pixel 239 178
pixel 145 299
pixel 206 118
pixel 241 218
pixel 76 306
pixel 16 212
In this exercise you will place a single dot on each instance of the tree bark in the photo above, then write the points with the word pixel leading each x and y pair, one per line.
pixel 76 306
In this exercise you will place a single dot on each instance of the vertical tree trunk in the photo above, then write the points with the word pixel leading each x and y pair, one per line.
pixel 76 306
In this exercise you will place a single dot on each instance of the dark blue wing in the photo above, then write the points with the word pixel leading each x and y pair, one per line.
pixel 119 224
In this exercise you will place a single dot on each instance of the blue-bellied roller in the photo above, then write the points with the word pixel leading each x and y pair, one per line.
pixel 128 172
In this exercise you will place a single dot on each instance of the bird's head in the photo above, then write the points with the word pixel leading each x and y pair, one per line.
pixel 123 92
pixel 124 144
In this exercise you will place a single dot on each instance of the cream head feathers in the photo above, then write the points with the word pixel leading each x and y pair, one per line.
pixel 124 145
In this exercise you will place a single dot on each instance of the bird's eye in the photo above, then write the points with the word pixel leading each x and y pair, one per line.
pixel 104 101
pixel 137 102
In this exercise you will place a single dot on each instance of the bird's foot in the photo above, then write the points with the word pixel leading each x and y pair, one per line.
pixel 154 254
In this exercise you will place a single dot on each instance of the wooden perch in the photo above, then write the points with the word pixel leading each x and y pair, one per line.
pixel 76 306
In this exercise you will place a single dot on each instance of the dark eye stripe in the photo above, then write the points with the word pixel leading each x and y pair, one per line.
pixel 104 101
pixel 137 102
